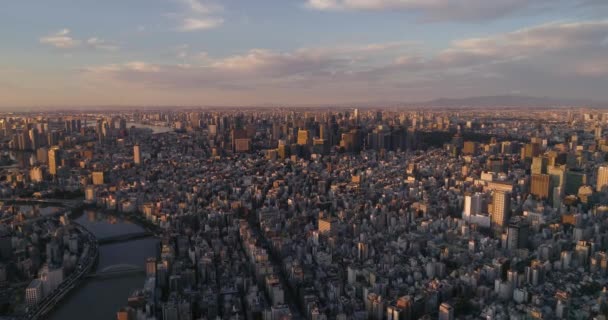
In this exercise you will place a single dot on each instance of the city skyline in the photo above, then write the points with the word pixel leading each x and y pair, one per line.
pixel 197 53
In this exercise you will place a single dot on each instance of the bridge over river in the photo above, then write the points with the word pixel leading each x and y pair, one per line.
pixel 117 270
pixel 124 237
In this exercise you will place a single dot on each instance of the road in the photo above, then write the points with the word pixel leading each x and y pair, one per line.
pixel 86 264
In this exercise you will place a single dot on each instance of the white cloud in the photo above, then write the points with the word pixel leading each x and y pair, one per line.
pixel 206 8
pixel 565 56
pixel 456 10
pixel 198 15
pixel 61 39
pixel 101 44
pixel 194 24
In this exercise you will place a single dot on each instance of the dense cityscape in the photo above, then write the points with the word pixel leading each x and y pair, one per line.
pixel 304 160
pixel 288 213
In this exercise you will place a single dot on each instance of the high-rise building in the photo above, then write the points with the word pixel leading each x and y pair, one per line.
pixel 574 180
pixel 54 160
pixel 529 151
pixel 241 142
pixel 539 165
pixel 351 141
pixel 136 154
pixel 33 292
pixel 42 155
pixel 151 267
pixel 97 177
pixel 517 234
pixel 501 208
pixel 36 174
pixel 469 147
pixel 304 137
pixel 541 186
pixel 557 175
pixel 326 225
pixel 446 312
pixel 51 278
pixel 602 177
pixel 472 205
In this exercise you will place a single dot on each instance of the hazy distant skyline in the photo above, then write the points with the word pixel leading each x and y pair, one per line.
pixel 243 52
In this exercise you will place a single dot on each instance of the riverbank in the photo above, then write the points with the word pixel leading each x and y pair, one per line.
pixel 88 262
pixel 83 301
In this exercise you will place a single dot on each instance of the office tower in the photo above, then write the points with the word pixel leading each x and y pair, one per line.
pixel 36 174
pixel 320 146
pixel 240 141
pixel 541 186
pixel 446 312
pixel 68 126
pixel 283 150
pixel 51 278
pixel 304 137
pixel 472 205
pixel 54 160
pixel 33 292
pixel 97 177
pixel 351 141
pixel 42 155
pixel 557 175
pixel 574 180
pixel 326 225
pixel 539 165
pixel 529 151
pixel 136 154
pixel 374 305
pixel 501 208
pixel 602 177
pixel 151 267
pixel 33 136
pixel 469 147
pixel 89 194
pixel 517 234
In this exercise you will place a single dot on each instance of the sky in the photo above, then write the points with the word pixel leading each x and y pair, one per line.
pixel 294 52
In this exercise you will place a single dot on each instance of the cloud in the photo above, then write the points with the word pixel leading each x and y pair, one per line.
pixel 566 58
pixel 63 40
pixel 198 15
pixel 199 7
pixel 192 24
pixel 101 44
pixel 60 39
pixel 456 10
pixel 431 9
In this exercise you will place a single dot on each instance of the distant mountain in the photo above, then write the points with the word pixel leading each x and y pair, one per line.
pixel 510 101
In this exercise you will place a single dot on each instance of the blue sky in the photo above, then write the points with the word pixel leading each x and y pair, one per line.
pixel 244 52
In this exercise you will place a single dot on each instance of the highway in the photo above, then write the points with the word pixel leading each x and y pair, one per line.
pixel 67 204
pixel 86 264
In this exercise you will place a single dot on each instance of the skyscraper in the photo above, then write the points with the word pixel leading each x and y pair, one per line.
pixel 304 137
pixel 136 154
pixel 472 205
pixel 602 177
pixel 517 234
pixel 541 185
pixel 446 312
pixel 501 203
pixel 539 165
pixel 54 160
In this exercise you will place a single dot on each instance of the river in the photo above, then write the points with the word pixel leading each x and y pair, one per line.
pixel 102 298
pixel 155 128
